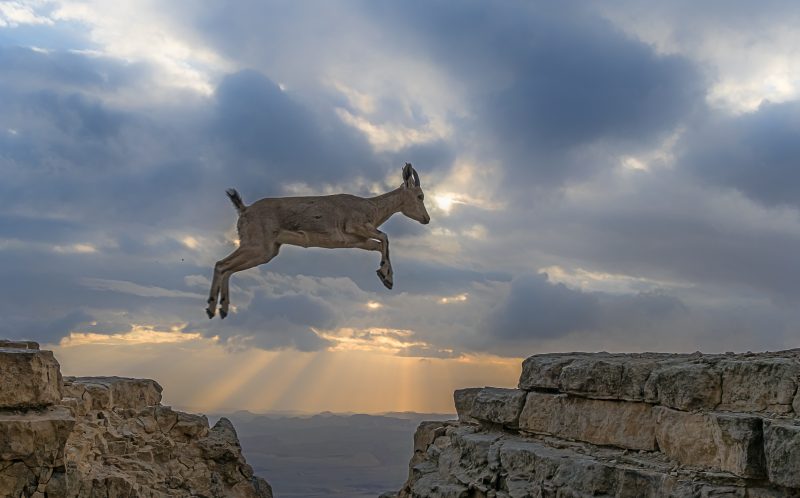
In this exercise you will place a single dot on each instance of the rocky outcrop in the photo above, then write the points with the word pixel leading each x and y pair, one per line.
pixel 624 425
pixel 86 437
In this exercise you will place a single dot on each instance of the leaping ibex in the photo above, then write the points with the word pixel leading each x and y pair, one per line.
pixel 330 221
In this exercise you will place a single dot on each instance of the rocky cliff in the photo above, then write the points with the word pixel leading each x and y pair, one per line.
pixel 82 437
pixel 624 425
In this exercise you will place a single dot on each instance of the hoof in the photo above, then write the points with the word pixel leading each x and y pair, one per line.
pixel 223 314
pixel 386 282
pixel 210 313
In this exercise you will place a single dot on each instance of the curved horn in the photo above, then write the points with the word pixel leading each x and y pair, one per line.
pixel 407 169
pixel 416 177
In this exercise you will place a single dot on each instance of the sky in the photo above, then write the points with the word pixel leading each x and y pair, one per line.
pixel 601 176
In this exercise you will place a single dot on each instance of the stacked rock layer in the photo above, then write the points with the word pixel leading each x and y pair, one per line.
pixel 86 437
pixel 626 425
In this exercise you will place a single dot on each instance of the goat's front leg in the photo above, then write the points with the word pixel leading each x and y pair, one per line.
pixel 385 272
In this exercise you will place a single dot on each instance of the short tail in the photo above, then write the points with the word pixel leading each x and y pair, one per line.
pixel 236 199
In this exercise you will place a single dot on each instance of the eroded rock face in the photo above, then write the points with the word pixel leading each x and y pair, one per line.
pixel 615 423
pixel 29 378
pixel 782 448
pixel 624 425
pixel 109 437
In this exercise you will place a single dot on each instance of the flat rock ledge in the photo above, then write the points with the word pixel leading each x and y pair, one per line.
pixel 622 425
pixel 87 437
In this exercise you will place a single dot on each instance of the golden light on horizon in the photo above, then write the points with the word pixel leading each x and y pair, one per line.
pixel 139 334
pixel 459 298
pixel 374 339
pixel 206 377
pixel 374 305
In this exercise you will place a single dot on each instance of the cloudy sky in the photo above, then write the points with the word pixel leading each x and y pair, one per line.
pixel 601 176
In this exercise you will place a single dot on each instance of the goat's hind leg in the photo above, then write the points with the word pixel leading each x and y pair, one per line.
pixel 241 253
pixel 249 259
pixel 211 309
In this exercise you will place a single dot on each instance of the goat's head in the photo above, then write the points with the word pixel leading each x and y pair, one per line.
pixel 413 197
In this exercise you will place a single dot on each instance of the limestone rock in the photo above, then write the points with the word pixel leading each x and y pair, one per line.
pixel 796 404
pixel 685 386
pixel 595 375
pixel 103 393
pixel 615 423
pixel 154 450
pixel 764 382
pixel 498 406
pixel 6 344
pixel 35 438
pixel 32 448
pixel 109 437
pixel 463 400
pixel 470 463
pixel 720 441
pixel 622 425
pixel 29 378
pixel 782 450
pixel 759 384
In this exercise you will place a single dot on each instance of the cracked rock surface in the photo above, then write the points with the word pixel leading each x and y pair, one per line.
pixel 108 437
pixel 621 425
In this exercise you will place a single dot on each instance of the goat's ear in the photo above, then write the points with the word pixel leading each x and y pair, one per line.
pixel 408 171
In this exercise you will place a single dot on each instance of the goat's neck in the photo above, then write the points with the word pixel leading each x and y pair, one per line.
pixel 387 204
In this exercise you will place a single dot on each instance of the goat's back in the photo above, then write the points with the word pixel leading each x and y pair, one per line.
pixel 312 214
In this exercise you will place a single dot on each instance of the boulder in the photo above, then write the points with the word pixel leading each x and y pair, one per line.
pixel 756 384
pixel 35 438
pixel 684 386
pixel 782 451
pixel 720 441
pixel 106 393
pixel 751 382
pixel 495 405
pixel 7 344
pixel 463 400
pixel 29 378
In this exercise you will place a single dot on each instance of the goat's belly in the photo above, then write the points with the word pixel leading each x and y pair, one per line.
pixel 312 239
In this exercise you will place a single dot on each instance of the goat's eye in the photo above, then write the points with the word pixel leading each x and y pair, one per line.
pixel 421 197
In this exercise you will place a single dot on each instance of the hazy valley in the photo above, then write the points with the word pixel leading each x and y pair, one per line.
pixel 330 455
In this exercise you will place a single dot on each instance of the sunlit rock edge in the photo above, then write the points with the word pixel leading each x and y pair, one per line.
pixel 82 437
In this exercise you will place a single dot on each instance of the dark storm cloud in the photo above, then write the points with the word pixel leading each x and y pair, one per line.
pixel 664 230
pixel 278 322
pixel 275 139
pixel 757 153
pixel 538 309
pixel 411 272
pixel 27 69
pixel 544 79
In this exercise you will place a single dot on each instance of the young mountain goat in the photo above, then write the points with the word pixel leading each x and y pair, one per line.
pixel 330 221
